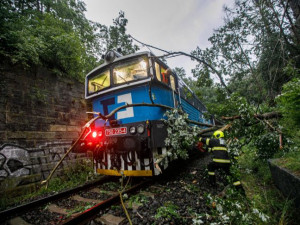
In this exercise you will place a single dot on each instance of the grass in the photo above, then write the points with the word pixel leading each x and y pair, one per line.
pixel 76 175
pixel 257 181
pixel 193 188
pixel 290 161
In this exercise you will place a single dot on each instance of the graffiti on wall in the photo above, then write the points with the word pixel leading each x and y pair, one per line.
pixel 18 162
pixel 14 161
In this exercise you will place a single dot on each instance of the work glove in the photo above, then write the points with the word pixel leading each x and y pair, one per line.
pixel 200 147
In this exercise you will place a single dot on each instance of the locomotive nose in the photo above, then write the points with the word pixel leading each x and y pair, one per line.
pixel 130 144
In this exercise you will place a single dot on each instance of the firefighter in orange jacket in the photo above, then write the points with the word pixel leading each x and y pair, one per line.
pixel 220 156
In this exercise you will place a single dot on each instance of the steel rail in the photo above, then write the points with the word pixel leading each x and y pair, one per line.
pixel 91 213
pixel 4 215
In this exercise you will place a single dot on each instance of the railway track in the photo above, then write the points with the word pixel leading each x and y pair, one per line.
pixel 91 213
pixel 75 206
pixel 100 203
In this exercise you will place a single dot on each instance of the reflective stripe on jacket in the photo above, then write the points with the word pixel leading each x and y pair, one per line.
pixel 219 149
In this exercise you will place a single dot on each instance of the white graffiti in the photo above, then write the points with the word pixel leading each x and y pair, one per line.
pixel 14 161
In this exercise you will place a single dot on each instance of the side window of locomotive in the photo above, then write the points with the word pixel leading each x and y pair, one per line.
pixel 172 82
pixel 157 71
pixel 165 78
pixel 98 82
pixel 132 70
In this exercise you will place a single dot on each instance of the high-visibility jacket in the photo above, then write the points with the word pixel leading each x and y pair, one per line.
pixel 219 149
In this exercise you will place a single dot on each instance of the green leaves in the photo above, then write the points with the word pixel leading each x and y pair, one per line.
pixel 115 36
pixel 234 209
pixel 251 50
pixel 168 210
pixel 289 101
pixel 289 105
pixel 56 35
pixel 49 34
pixel 181 136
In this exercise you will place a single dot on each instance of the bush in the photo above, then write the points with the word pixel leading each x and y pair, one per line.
pixel 267 145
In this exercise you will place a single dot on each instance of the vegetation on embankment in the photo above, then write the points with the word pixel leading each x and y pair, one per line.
pixel 291 162
pixel 72 176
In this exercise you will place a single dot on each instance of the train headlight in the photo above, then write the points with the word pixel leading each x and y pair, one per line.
pixel 96 134
pixel 110 56
pixel 132 130
pixel 140 129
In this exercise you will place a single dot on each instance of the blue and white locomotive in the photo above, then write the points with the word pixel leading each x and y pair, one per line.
pixel 131 139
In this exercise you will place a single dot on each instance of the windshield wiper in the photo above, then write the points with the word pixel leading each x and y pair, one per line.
pixel 123 79
pixel 103 81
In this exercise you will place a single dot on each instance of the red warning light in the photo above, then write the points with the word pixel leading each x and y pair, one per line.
pixel 94 134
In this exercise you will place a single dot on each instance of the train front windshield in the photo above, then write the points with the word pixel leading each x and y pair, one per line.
pixel 100 81
pixel 124 72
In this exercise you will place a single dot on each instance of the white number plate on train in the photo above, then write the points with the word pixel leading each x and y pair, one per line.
pixel 116 131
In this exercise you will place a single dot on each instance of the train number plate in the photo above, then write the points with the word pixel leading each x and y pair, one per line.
pixel 116 131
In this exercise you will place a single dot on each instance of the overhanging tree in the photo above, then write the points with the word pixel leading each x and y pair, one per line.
pixel 252 49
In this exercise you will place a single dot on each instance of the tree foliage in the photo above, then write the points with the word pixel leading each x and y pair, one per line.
pixel 255 57
pixel 180 135
pixel 252 49
pixel 116 37
pixel 57 35
pixel 289 105
pixel 256 52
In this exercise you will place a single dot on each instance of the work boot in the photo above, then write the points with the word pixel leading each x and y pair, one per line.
pixel 240 189
pixel 238 186
pixel 212 180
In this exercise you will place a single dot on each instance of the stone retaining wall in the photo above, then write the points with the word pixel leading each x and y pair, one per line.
pixel 40 115
pixel 287 182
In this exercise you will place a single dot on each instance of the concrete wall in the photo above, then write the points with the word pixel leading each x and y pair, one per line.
pixel 40 115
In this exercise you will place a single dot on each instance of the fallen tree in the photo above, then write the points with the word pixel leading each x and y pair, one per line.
pixel 266 116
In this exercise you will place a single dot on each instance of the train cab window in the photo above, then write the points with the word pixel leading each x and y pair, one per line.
pixel 98 82
pixel 131 70
pixel 172 82
pixel 165 75
pixel 157 71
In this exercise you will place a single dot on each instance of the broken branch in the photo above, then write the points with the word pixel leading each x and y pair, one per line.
pixel 267 116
